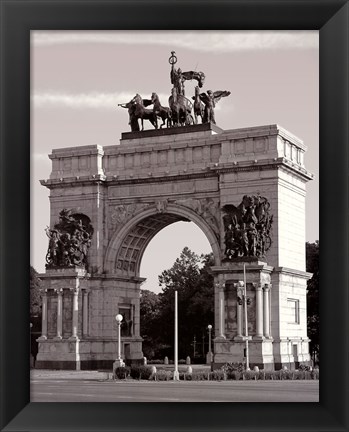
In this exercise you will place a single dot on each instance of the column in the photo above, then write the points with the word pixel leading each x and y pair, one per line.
pixel 266 307
pixel 132 319
pixel 59 292
pixel 238 313
pixel 221 311
pixel 259 311
pixel 44 316
pixel 75 314
pixel 85 313
pixel 137 319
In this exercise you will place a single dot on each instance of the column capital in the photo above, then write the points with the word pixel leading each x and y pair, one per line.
pixel 267 286
pixel 257 286
pixel 43 291
pixel 59 291
pixel 220 285
pixel 86 291
pixel 75 290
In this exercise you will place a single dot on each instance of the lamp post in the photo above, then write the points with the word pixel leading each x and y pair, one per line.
pixel 209 357
pixel 242 299
pixel 119 362
pixel 176 373
pixel 30 347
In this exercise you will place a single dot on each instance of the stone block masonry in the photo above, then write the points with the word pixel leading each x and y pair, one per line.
pixel 155 178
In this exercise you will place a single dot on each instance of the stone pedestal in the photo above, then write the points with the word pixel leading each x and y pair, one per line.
pixel 233 347
pixel 58 354
pixel 209 358
pixel 118 363
pixel 79 329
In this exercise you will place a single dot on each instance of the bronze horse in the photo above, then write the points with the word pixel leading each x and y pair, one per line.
pixel 140 112
pixel 163 112
pixel 180 109
pixel 136 110
pixel 199 107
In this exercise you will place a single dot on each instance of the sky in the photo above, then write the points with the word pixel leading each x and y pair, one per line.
pixel 79 77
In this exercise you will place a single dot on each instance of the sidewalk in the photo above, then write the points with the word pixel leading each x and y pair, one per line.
pixel 97 375
pixel 70 374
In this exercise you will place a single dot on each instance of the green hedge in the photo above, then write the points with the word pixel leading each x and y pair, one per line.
pixel 122 372
pixel 141 372
pixel 223 374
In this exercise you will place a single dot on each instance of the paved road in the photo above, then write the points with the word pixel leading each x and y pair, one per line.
pixel 45 389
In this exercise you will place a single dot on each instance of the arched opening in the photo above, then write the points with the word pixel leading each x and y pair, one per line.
pixel 163 250
pixel 127 246
pixel 130 247
pixel 174 256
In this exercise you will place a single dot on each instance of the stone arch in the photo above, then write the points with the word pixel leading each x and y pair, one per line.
pixel 126 247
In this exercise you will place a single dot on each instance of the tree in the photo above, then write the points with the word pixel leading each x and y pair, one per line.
pixel 35 296
pixel 312 266
pixel 35 310
pixel 190 276
pixel 149 304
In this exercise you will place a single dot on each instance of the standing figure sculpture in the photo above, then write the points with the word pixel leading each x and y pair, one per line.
pixel 133 120
pixel 178 77
pixel 210 99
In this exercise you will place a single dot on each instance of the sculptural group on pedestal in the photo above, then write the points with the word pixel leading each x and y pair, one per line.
pixel 181 109
pixel 69 241
pixel 247 228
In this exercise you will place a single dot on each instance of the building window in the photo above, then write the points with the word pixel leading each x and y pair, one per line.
pixel 127 321
pixel 293 311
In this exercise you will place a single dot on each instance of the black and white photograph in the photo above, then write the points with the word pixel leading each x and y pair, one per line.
pixel 167 170
pixel 175 222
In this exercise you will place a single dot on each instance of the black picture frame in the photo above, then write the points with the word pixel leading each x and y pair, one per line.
pixel 18 17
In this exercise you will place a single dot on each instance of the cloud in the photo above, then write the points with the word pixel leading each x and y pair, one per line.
pixel 92 100
pixel 40 157
pixel 205 41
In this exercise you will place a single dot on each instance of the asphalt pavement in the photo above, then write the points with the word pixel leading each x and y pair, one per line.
pixel 95 386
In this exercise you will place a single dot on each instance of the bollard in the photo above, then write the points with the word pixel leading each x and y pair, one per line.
pixel 144 361
pixel 153 372
pixel 187 360
pixel 166 360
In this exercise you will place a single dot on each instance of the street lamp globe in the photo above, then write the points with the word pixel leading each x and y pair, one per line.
pixel 209 327
pixel 241 283
pixel 119 318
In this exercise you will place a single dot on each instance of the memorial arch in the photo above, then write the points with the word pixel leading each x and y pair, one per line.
pixel 127 246
pixel 117 198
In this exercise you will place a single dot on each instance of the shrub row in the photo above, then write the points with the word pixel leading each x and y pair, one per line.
pixel 146 373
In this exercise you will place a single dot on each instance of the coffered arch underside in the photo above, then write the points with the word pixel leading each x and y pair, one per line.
pixel 127 245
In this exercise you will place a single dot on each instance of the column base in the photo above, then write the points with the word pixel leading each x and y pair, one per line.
pixel 118 363
pixel 209 358
pixel 220 337
pixel 41 338
pixel 73 338
pixel 258 338
pixel 57 338
pixel 234 351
